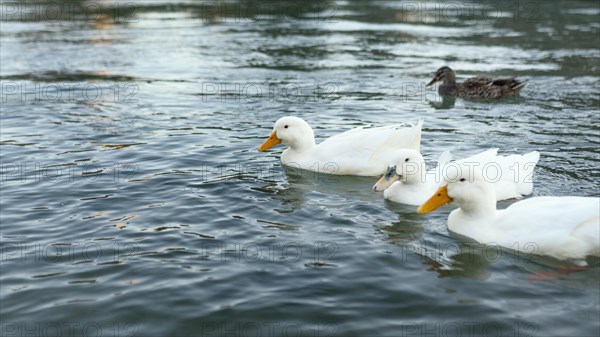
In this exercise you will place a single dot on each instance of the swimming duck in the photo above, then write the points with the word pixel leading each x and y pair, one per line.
pixel 477 87
pixel 561 227
pixel 360 151
pixel 408 182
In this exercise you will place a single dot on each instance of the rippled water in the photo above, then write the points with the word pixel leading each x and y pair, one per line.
pixel 134 201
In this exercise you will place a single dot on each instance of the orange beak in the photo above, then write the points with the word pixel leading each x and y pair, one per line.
pixel 269 143
pixel 435 79
pixel 440 198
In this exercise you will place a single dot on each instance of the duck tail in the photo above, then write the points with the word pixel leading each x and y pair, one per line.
pixel 527 164
pixel 518 85
pixel 420 124
pixel 416 144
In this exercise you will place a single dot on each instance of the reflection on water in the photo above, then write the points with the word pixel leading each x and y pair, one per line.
pixel 129 165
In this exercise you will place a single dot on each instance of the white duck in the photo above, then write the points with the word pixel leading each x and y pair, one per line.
pixel 408 182
pixel 360 151
pixel 561 227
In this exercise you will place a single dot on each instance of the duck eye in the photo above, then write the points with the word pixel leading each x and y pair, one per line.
pixel 463 179
pixel 285 127
pixel 406 160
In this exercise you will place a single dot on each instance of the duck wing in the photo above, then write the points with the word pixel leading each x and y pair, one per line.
pixel 476 82
pixel 488 87
pixel 564 227
pixel 511 175
pixel 371 148
pixel 508 82
pixel 371 140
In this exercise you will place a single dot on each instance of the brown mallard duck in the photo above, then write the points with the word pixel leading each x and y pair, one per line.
pixel 476 87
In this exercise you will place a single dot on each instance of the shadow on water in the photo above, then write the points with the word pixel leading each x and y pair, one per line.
pixel 357 188
pixel 464 258
pixel 449 102
pixel 446 103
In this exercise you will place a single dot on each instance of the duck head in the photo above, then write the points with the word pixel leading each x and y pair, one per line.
pixel 290 131
pixel 408 166
pixel 468 189
pixel 444 74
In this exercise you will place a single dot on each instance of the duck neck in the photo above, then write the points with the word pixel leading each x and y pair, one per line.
pixel 481 208
pixel 416 179
pixel 303 144
pixel 450 78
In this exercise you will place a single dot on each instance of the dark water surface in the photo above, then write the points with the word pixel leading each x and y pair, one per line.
pixel 134 201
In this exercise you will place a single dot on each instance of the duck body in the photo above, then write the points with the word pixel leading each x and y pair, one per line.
pixel 561 227
pixel 360 151
pixel 511 175
pixel 566 228
pixel 477 87
pixel 411 194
